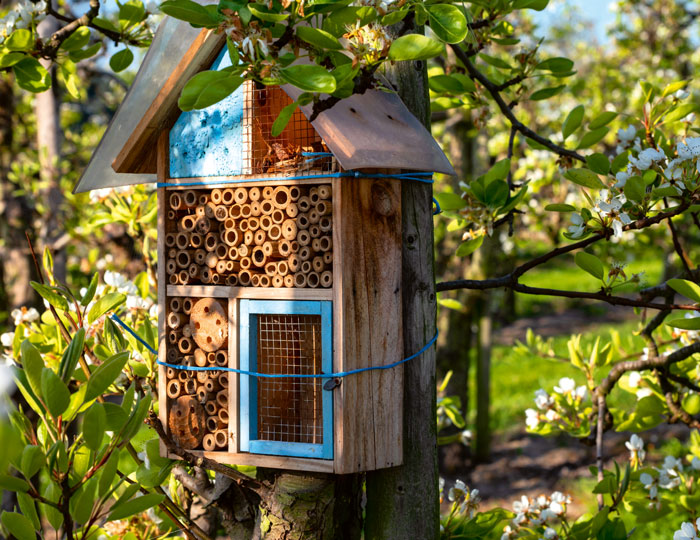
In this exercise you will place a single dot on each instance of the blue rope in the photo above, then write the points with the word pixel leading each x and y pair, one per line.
pixel 339 374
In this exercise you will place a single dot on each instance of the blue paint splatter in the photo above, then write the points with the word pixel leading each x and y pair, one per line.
pixel 208 142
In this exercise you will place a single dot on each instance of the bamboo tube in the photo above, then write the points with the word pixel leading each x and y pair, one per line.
pixel 266 207
pixel 318 264
pixel 246 263
pixel 292 210
pixel 248 238
pixel 187 223
pixel 302 221
pixel 221 251
pixel 275 232
pixel 234 211
pixel 185 345
pixel 315 231
pixel 190 387
pixel 244 277
pixel 176 320
pixel 212 385
pixel 200 358
pixel 221 438
pixel 172 253
pixel 323 208
pixel 170 240
pixel 313 280
pixel 285 248
pixel 171 373
pixel 173 389
pixel 277 216
pixel 205 274
pixel 314 216
pixel 223 415
pixel 216 196
pixel 210 241
pixel 173 279
pixel 202 376
pixel 294 262
pixel 265 223
pixel 187 306
pixel 328 257
pixel 255 280
pixel 209 442
pixel 245 210
pixel 223 380
pixel 175 201
pixel 243 225
pixel 327 279
pixel 183 259
pixel 187 330
pixel 221 267
pixel 203 198
pixel 253 223
pixel 214 423
pixel 209 209
pixel 232 266
pixel 243 251
pixel 175 305
pixel 233 253
pixel 189 198
pixel 254 194
pixel 229 196
pixel 222 398
pixel 203 396
pixel 295 246
pixel 326 243
pixel 325 223
pixel 240 195
pixel 305 253
pixel 211 260
pixel 255 209
pixel 316 244
pixel 203 225
pixel 282 268
pixel 221 213
pixel 215 279
pixel 289 229
pixel 258 257
pixel 313 195
pixel 211 408
pixel 173 337
pixel 271 249
pixel 196 240
pixel 259 237
pixel 232 280
pixel 200 256
pixel 289 281
pixel 265 281
pixel 182 376
pixel 271 268
pixel 200 211
pixel 267 192
pixel 294 193
pixel 280 197
pixel 303 237
pixel 230 224
pixel 324 191
pixel 277 281
pixel 183 277
pixel 172 215
pixel 306 267
pixel 304 204
pixel 299 280
pixel 171 356
pixel 230 237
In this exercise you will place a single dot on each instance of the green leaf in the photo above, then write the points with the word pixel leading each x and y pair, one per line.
pixel 573 121
pixel 448 22
pixel 55 392
pixel 116 416
pixel 82 54
pixel 131 13
pixel 634 189
pixel 283 119
pixel 318 38
pixel 590 263
pixel 496 193
pixel 593 137
pixel 77 40
pixel 445 83
pixel 90 291
pixel 19 526
pixel 310 78
pixel 109 473
pixel 20 40
pixel 686 288
pixel 680 112
pixel 606 485
pixel 10 483
pixel 394 17
pixel 451 303
pixel 537 5
pixel 469 247
pixel 495 61
pixel 105 375
pixel 560 208
pixel 584 177
pixel 207 88
pixel 499 171
pixel 33 364
pixel 135 506
pixel 264 14
pixel 192 12
pixel 598 163
pixel 50 295
pixel 106 24
pixel 84 503
pixel 673 88
pixel 602 119
pixel 70 357
pixel 415 47
pixel 450 201
pixel 32 460
pixel 685 324
pixel 31 75
pixel 556 65
pixel 108 302
pixel 10 59
pixel 28 509
pixel 94 424
pixel 121 60
pixel 546 93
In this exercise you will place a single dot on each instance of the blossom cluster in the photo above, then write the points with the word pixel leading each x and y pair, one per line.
pixel 688 531
pixel 24 13
pixel 541 511
pixel 559 408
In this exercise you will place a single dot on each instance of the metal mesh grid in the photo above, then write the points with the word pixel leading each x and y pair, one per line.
pixel 290 409
pixel 283 153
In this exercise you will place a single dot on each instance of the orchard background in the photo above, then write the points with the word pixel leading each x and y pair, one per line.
pixel 565 267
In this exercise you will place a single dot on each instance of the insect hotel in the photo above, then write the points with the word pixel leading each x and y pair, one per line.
pixel 279 261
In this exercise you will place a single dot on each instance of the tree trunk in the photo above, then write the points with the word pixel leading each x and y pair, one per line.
pixel 46 107
pixel 482 448
pixel 402 502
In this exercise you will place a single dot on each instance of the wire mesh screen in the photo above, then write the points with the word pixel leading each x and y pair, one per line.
pixel 289 150
pixel 290 409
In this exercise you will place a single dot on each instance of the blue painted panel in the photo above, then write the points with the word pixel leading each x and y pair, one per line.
pixel 249 309
pixel 209 142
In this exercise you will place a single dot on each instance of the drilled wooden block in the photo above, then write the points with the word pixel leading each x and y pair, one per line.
pixel 210 324
pixel 187 422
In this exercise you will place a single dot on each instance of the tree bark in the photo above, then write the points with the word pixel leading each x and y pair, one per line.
pixel 402 502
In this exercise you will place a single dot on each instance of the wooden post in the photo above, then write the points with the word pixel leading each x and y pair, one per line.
pixel 402 502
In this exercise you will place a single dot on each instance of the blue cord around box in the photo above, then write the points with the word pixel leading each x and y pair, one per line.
pixel 337 375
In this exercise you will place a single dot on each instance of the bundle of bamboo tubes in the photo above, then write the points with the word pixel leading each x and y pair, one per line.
pixel 271 236
pixel 209 388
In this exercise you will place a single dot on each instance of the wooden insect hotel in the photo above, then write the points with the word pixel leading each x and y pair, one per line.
pixel 278 256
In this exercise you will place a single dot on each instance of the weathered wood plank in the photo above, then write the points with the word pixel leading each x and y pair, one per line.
pixel 262 293
pixel 259 460
pixel 211 182
pixel 162 152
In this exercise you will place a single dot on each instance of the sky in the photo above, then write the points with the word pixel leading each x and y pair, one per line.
pixel 596 11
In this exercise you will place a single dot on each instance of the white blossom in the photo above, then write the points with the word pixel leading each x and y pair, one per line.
pixel 646 158
pixel 681 94
pixel 689 149
pixel 542 399
pixel 458 490
pixel 579 226
pixel 550 534
pixel 120 282
pixel 627 135
pixel 24 315
pixel 532 419
pixel 634 378
pixel 608 206
pixel 566 385
pixel 636 447
pixel 136 302
pixel 621 178
pixel 7 339
pixel 687 531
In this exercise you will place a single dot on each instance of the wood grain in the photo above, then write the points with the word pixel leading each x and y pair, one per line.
pixel 162 166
